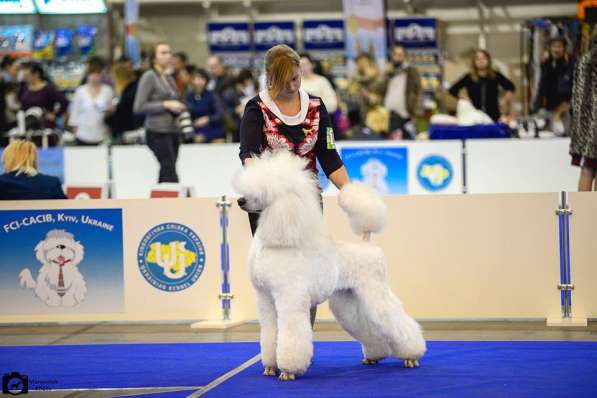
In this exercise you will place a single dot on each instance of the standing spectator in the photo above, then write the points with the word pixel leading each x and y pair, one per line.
pixel 481 86
pixel 583 131
pixel 222 85
pixel 124 119
pixel 181 74
pixel 206 111
pixel 317 85
pixel 555 84
pixel 21 180
pixel 39 92
pixel 157 98
pixel 403 91
pixel 90 106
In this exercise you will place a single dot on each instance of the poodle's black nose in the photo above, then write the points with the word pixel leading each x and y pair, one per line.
pixel 61 247
pixel 242 201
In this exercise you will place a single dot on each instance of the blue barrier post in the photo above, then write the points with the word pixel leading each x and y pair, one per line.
pixel 565 286
pixel 225 296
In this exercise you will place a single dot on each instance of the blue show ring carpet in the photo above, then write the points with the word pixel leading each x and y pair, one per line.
pixel 126 365
pixel 449 369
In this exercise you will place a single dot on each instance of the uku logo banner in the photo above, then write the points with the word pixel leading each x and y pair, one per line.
pixel 171 257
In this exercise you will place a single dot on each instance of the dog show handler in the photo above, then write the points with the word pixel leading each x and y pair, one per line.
pixel 285 117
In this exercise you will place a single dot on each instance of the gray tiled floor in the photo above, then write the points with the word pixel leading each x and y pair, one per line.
pixel 163 333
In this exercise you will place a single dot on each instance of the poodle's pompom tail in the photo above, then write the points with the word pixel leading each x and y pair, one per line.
pixel 365 208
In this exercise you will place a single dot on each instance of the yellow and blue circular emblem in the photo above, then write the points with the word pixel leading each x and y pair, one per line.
pixel 171 257
pixel 435 173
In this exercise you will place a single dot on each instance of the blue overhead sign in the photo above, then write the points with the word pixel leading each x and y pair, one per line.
pixel 228 37
pixel 416 32
pixel 268 34
pixel 323 35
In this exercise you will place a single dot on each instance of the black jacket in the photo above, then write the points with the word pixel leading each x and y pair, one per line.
pixel 484 92
pixel 25 187
pixel 555 85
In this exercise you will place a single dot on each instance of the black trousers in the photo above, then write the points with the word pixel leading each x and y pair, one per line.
pixel 254 221
pixel 165 148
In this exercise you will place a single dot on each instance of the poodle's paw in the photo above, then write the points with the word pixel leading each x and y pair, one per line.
pixel 286 376
pixel 367 361
pixel 270 371
pixel 411 363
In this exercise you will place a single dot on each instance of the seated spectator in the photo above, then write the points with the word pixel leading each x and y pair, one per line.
pixel 366 92
pixel 123 118
pixel 21 180
pixel 39 92
pixel 91 103
pixel 205 108
pixel 181 73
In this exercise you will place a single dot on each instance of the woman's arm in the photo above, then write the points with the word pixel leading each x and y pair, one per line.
pixel 456 88
pixel 251 131
pixel 339 177
pixel 325 150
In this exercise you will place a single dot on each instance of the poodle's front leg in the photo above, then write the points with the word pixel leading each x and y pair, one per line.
pixel 295 337
pixel 269 331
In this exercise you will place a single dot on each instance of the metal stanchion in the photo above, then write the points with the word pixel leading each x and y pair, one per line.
pixel 565 286
pixel 225 295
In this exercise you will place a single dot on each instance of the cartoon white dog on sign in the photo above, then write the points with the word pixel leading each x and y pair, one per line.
pixel 59 282
pixel 374 173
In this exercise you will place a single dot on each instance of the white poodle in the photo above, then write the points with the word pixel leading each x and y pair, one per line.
pixel 59 281
pixel 295 264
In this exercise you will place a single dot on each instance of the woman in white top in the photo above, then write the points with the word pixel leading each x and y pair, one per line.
pixel 91 102
pixel 317 85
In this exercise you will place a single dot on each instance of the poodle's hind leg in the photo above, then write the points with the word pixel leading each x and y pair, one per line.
pixel 345 307
pixel 295 337
pixel 269 332
pixel 387 316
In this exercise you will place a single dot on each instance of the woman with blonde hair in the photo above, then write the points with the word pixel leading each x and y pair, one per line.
pixel 21 180
pixel 482 86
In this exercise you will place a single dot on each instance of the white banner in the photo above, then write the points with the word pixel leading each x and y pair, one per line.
pixel 537 165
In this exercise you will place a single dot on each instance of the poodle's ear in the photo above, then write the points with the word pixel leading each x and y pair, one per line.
pixel 40 253
pixel 79 252
pixel 285 222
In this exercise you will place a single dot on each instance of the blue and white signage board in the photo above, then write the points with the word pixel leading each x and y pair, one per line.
pixel 403 167
pixel 16 39
pixel 416 32
pixel 268 34
pixel 226 37
pixel 61 261
pixel 323 35
pixel 17 7
pixel 71 6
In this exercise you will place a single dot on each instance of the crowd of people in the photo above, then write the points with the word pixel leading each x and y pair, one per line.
pixel 376 103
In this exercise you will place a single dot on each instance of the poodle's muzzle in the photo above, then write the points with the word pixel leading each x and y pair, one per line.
pixel 243 203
